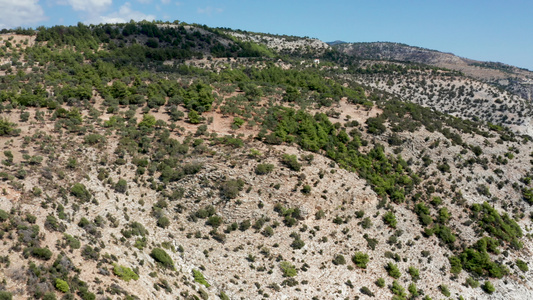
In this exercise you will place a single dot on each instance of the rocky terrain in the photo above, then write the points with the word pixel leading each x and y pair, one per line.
pixel 516 80
pixel 176 161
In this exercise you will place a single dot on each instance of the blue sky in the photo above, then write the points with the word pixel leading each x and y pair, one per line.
pixel 479 29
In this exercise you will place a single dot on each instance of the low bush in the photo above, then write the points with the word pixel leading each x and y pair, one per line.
pixel 291 161
pixel 79 191
pixel 161 256
pixel 522 265
pixel 390 219
pixel 488 287
pixel 360 259
pixel 263 169
pixel 124 273
pixel 62 285
pixel 392 270
pixel 199 277
pixel 41 253
pixel 288 269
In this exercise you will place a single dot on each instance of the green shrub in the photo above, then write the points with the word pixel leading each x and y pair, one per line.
pixel 306 189
pixel 392 270
pixel 288 269
pixel 365 290
pixel 223 296
pixel 214 221
pixel 79 191
pixel 444 233
pixel 121 186
pixel 291 161
pixel 3 215
pixel 472 282
pixel 49 296
pixel 488 287
pixel 62 285
pixel 148 121
pixel 456 266
pixel 161 256
pixel 4 295
pixel 199 277
pixel 231 188
pixel 297 244
pixel 41 253
pixel 93 139
pixel 135 228
pixel 163 222
pixel 477 260
pixel 339 260
pixel 522 265
pixel 413 290
pixel 6 127
pixel 263 169
pixel 53 224
pixel 238 121
pixel 444 290
pixel 72 242
pixel 390 219
pixel 360 259
pixel 380 282
pixel 371 243
pixel 124 273
pixel 194 117
pixel 414 272
pixel 398 290
pixel 89 252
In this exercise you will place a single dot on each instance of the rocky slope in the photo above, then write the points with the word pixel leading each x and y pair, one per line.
pixel 516 80
pixel 156 161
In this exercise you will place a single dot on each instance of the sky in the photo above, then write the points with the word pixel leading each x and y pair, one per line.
pixel 486 30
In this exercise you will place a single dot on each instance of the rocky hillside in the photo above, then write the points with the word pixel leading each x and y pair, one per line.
pixel 513 79
pixel 176 161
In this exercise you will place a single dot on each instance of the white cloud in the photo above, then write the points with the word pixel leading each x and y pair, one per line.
pixel 165 1
pixel 209 10
pixel 89 5
pixel 123 15
pixel 20 13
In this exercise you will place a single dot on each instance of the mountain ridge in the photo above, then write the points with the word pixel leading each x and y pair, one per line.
pixel 512 78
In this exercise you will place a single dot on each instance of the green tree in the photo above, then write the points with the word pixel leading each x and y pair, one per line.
pixel 360 259
pixel 62 285
pixel 288 269
pixel 6 127
pixel 79 191
pixel 199 277
pixel 161 256
pixel 124 273
pixel 121 186
pixel 488 287
pixel 194 117
pixel 392 270
pixel 390 219
pixel 148 121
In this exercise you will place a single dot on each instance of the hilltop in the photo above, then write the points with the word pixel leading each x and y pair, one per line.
pixel 177 161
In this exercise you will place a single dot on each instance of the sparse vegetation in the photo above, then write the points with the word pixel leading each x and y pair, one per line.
pixel 143 142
